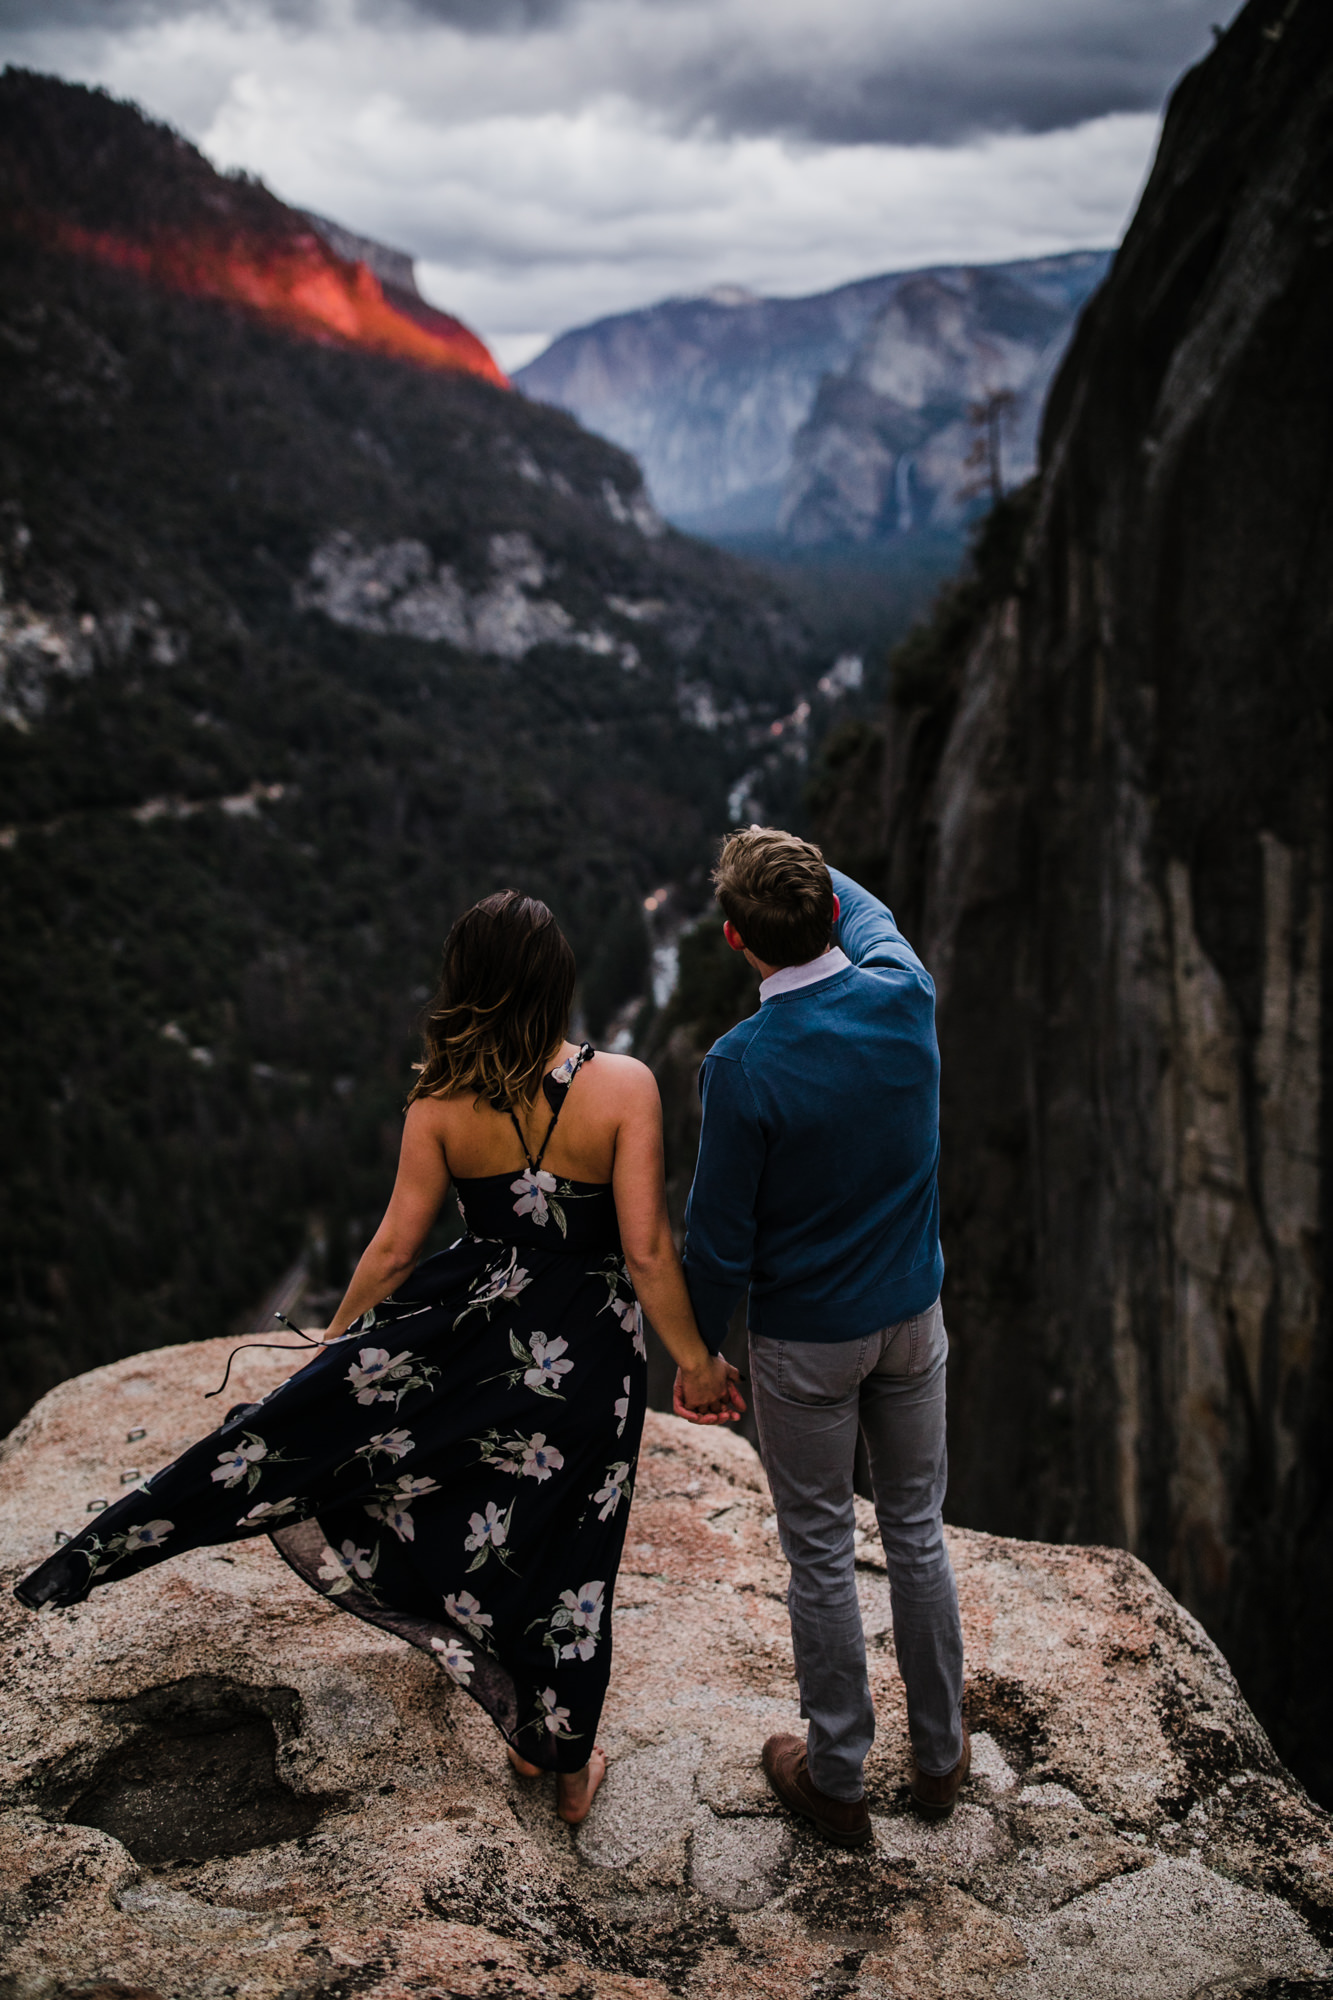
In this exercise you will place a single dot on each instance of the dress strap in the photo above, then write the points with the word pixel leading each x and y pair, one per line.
pixel 559 1079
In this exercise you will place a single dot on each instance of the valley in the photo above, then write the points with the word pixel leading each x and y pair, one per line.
pixel 304 647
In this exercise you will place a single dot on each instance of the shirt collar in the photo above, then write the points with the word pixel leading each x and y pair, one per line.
pixel 789 977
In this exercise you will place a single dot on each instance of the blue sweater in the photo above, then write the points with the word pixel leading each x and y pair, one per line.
pixel 816 1181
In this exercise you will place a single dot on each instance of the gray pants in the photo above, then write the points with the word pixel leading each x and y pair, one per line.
pixel 810 1399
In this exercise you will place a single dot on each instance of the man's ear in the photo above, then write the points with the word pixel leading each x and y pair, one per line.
pixel 837 907
pixel 732 935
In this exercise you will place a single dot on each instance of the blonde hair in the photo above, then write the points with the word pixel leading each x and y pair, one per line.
pixel 776 890
pixel 502 1007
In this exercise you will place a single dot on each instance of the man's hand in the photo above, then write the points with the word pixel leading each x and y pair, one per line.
pixel 708 1394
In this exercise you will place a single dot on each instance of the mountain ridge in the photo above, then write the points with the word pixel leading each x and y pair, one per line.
pixel 156 207
pixel 710 394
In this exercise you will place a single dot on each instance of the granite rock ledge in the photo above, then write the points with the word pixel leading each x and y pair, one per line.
pixel 215 1784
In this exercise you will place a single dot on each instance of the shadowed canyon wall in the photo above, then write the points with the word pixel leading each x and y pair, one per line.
pixel 1100 807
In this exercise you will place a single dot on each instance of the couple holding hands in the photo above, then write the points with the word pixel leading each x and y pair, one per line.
pixel 456 1464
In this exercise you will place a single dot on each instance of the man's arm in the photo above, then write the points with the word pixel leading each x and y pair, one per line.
pixel 866 930
pixel 719 1216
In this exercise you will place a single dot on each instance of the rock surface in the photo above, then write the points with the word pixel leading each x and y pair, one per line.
pixel 1104 824
pixel 216 1784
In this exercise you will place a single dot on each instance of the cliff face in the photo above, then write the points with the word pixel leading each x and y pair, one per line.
pixel 751 415
pixel 1101 810
pixel 215 1782
pixel 943 395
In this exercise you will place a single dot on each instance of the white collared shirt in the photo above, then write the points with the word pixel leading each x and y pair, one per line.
pixel 788 978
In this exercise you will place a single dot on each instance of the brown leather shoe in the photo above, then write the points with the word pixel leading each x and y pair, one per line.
pixel 934 1797
pixel 846 1825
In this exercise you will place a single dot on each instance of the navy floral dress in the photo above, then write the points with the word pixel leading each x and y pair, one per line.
pixel 457 1469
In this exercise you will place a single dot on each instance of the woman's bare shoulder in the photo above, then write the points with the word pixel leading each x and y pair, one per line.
pixel 623 1077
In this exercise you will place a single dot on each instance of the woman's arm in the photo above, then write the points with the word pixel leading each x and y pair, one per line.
pixel 418 1193
pixel 639 1184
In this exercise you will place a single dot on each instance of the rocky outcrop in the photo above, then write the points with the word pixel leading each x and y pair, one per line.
pixel 710 394
pixel 214 1782
pixel 1101 811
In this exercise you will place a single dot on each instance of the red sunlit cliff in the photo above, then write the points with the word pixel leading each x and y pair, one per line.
pixel 300 282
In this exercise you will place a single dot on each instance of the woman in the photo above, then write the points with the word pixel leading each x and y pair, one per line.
pixel 457 1466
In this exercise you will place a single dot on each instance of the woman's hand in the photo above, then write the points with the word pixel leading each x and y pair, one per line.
pixel 707 1394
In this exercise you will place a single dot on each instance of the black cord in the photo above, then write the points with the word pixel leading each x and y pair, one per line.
pixel 273 1346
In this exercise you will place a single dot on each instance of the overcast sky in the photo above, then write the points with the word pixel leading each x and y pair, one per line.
pixel 549 161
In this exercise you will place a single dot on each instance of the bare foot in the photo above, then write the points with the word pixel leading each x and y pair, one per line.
pixel 524 1770
pixel 574 1789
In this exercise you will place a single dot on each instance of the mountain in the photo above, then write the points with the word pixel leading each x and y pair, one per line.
pixel 745 412
pixel 1100 804
pixel 303 647
pixel 139 198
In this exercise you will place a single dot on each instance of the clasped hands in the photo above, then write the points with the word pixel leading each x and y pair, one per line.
pixel 708 1394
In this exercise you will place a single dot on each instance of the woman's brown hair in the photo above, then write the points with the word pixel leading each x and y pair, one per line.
pixel 502 1007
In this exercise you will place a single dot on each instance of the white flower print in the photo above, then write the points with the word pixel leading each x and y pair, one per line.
pixel 368 1373
pixel 392 1445
pixel 415 1488
pixel 394 1506
pixel 143 1535
pixel 540 1369
pixel 270 1510
pixel 147 1535
pixel 630 1314
pixel 547 1364
pixel 622 1302
pixel 540 1459
pixel 622 1410
pixel 489 1534
pixel 519 1455
pixel 455 1659
pixel 394 1515
pixel 492 1528
pixel 617 1487
pixel 467 1612
pixel 340 1568
pixel 556 1719
pixel 584 1606
pixel 376 1376
pixel 578 1614
pixel 564 1072
pixel 532 1187
pixel 396 1444
pixel 241 1462
pixel 497 1284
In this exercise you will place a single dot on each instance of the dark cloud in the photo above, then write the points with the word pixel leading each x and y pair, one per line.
pixel 941 95
pixel 482 17
pixel 473 17
pixel 829 71
pixel 111 17
pixel 1031 65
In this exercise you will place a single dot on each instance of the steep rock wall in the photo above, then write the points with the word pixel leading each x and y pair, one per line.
pixel 1105 824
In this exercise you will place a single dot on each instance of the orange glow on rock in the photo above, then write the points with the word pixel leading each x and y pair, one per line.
pixel 299 282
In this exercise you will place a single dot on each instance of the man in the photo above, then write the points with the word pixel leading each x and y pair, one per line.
pixel 816 1186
